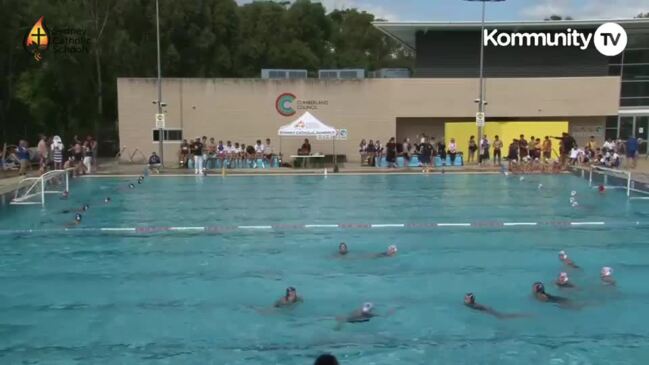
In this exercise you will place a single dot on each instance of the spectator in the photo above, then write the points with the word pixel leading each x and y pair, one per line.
pixel 204 143
pixel 441 151
pixel 370 151
pixel 362 149
pixel 546 149
pixel 250 155
pixel 523 147
pixel 608 146
pixel 425 151
pixel 154 163
pixel 632 151
pixel 592 144
pixel 22 153
pixel 211 154
pixel 57 152
pixel 305 149
pixel 484 150
pixel 93 148
pixel 512 155
pixel 229 153
pixel 196 149
pixel 43 153
pixel 498 146
pixel 268 153
pixel 452 151
pixel 407 150
pixel 536 155
pixel 567 143
pixel 221 153
pixel 472 148
pixel 259 153
pixel 183 155
pixel 238 154
pixel 379 151
pixel 87 156
pixel 326 359
pixel 391 155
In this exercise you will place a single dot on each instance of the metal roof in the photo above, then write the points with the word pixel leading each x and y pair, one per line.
pixel 405 32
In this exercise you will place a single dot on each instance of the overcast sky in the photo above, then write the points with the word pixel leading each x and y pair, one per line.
pixel 440 10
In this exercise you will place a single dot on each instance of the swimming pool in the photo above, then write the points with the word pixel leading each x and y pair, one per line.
pixel 146 294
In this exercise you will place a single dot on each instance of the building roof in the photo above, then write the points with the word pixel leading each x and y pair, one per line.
pixel 405 32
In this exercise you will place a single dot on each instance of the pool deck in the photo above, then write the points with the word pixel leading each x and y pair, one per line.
pixel 10 179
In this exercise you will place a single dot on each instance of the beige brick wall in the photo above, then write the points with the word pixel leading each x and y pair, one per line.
pixel 243 110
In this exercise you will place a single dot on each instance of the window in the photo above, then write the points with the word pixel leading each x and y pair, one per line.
pixel 635 89
pixel 171 135
pixel 634 72
pixel 611 128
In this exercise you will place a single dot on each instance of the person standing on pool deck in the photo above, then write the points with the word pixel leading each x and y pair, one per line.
pixel 391 251
pixel 197 151
pixel 563 257
pixel 289 299
pixel 632 151
pixel 469 301
pixel 498 146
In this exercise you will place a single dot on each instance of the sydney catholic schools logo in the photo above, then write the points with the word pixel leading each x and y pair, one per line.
pixel 37 40
pixel 64 40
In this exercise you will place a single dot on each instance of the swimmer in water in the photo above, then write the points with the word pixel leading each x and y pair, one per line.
pixel 606 275
pixel 601 189
pixel 139 181
pixel 342 249
pixel 362 315
pixel 107 200
pixel 538 289
pixel 65 195
pixel 391 251
pixel 469 301
pixel 563 256
pixel 76 221
pixel 563 281
pixel 289 299
pixel 131 186
pixel 83 208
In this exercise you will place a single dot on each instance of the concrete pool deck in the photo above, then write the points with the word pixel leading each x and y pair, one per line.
pixel 109 168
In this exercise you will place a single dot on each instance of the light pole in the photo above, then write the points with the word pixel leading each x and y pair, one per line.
pixel 159 101
pixel 481 102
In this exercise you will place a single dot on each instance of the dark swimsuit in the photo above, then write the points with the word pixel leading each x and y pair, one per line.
pixel 362 318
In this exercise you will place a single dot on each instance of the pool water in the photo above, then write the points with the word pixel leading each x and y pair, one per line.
pixel 205 297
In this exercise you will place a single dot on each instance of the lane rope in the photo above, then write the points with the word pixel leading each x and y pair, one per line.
pixel 559 224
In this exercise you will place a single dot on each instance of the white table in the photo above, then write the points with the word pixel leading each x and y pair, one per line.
pixel 306 158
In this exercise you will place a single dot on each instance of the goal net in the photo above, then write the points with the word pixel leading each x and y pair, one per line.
pixel 33 190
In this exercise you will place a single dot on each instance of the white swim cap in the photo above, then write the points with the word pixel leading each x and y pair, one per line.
pixel 575 204
pixel 573 193
pixel 522 178
pixel 506 173
pixel 392 248
pixel 367 307
pixel 572 199
pixel 540 186
pixel 563 253
pixel 606 271
pixel 564 276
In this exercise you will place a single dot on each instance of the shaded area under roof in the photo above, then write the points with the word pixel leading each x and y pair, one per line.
pixel 405 32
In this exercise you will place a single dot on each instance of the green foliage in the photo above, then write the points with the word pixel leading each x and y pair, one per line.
pixel 70 94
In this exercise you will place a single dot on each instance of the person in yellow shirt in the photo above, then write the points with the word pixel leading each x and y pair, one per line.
pixel 592 144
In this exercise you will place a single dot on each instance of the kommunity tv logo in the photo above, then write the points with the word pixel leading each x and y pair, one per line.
pixel 610 39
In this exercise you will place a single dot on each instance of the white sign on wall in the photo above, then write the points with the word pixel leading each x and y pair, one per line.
pixel 479 119
pixel 341 135
pixel 160 121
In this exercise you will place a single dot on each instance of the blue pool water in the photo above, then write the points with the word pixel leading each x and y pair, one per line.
pixel 92 297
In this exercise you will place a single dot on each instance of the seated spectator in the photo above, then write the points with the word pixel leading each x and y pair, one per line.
pixel 305 149
pixel 154 163
pixel 268 153
pixel 211 154
pixel 183 154
pixel 250 156
pixel 229 153
pixel 608 146
pixel 452 150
